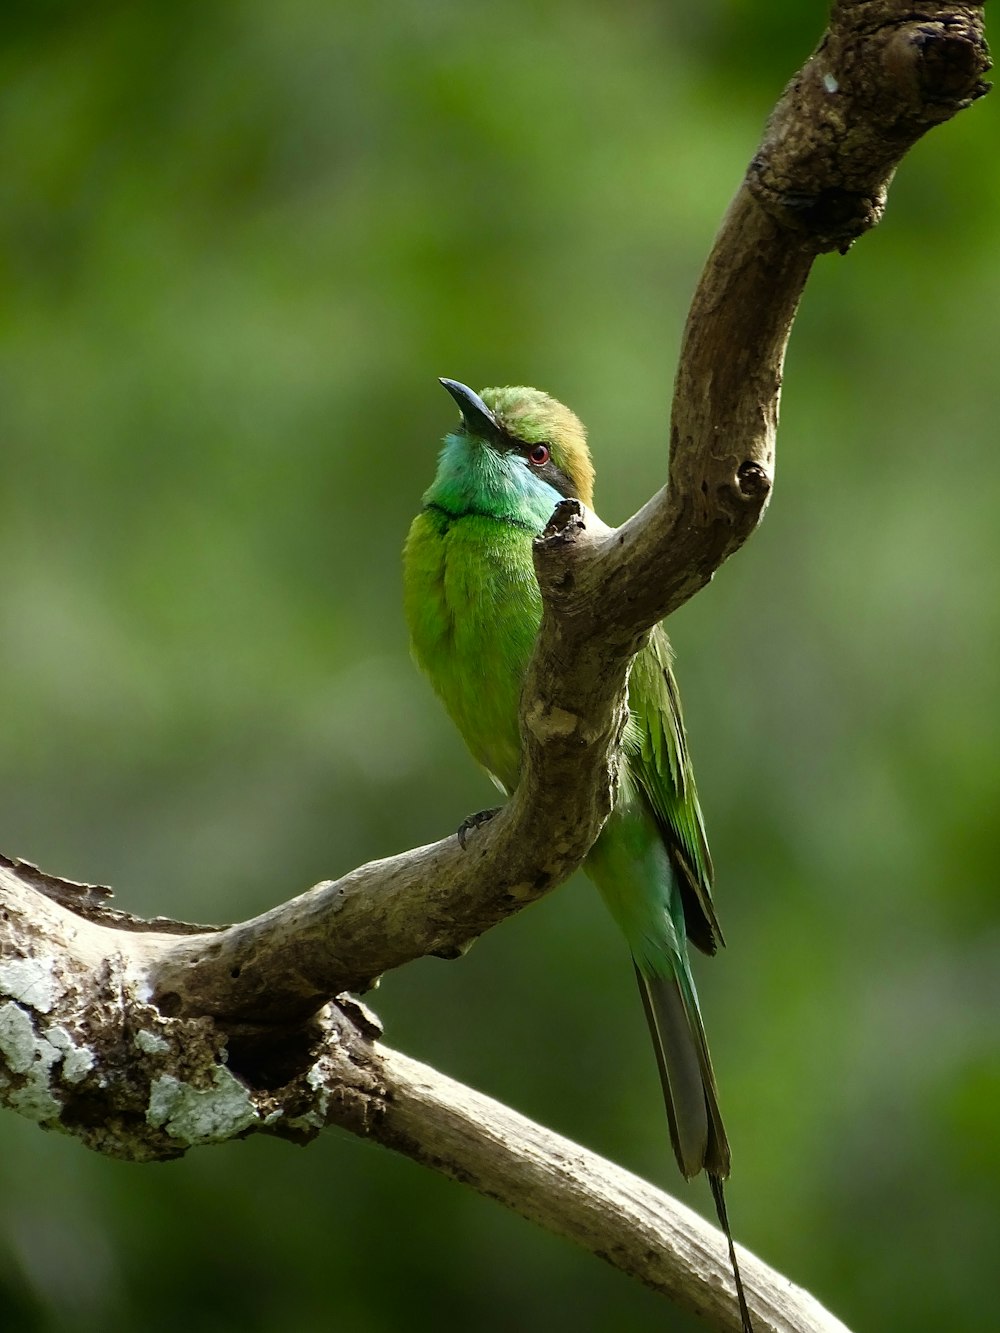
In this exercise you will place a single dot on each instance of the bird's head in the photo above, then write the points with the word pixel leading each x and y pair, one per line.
pixel 516 454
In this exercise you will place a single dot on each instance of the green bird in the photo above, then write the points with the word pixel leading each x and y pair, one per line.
pixel 473 609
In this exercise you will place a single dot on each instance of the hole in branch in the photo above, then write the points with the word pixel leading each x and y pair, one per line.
pixel 271 1057
pixel 753 481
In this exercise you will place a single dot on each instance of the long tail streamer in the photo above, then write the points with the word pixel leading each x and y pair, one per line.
pixel 718 1194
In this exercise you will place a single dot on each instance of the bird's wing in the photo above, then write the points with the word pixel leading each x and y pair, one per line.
pixel 663 766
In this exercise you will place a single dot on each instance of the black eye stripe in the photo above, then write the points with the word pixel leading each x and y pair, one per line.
pixel 526 449
pixel 557 479
pixel 549 472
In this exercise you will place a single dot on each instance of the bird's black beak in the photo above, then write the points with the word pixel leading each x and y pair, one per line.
pixel 478 418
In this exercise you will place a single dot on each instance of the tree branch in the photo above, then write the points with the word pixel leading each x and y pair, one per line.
pixel 119 1030
pixel 574 1193
pixel 85 1053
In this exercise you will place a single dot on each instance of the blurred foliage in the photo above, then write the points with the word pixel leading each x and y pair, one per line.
pixel 238 242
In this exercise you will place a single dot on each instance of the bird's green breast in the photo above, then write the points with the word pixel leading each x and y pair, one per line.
pixel 473 610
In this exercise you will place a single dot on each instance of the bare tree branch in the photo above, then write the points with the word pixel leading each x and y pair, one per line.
pixel 586 1198
pixel 83 1052
pixel 143 1038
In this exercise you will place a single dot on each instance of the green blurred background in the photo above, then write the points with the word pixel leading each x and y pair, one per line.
pixel 238 242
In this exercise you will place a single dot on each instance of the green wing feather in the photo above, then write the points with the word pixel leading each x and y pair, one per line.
pixel 661 763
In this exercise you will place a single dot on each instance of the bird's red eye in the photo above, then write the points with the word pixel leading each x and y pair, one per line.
pixel 539 455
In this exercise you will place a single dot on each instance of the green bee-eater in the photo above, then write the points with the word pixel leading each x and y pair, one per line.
pixel 473 608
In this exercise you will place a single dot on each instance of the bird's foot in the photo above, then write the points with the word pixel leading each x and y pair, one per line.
pixel 475 821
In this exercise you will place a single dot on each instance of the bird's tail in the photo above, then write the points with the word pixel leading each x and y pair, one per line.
pixel 692 1100
pixel 719 1195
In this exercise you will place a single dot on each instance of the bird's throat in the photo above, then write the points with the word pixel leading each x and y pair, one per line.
pixel 473 478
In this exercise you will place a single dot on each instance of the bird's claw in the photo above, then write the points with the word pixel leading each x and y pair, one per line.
pixel 475 821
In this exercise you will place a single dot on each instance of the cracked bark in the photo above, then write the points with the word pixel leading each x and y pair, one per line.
pixel 144 1038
